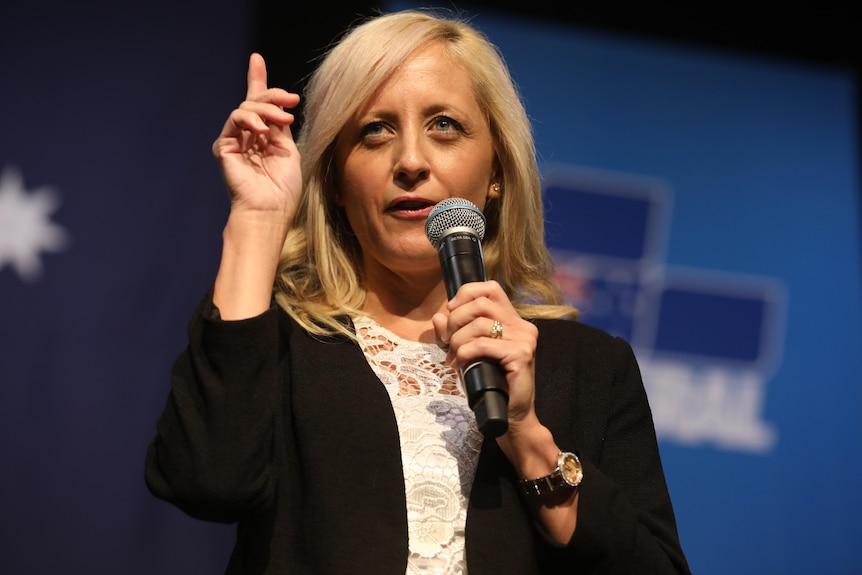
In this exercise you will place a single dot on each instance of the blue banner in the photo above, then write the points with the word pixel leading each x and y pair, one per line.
pixel 705 206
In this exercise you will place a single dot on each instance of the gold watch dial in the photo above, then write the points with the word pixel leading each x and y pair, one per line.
pixel 571 469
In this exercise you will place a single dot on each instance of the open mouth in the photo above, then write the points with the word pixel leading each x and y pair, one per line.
pixel 411 207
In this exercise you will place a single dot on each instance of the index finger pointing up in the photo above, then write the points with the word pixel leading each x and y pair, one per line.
pixel 256 76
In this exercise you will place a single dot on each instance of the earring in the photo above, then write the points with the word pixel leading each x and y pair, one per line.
pixel 496 187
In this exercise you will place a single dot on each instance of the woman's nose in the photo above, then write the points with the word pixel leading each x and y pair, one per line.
pixel 411 165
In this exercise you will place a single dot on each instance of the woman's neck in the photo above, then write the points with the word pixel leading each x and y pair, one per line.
pixel 405 307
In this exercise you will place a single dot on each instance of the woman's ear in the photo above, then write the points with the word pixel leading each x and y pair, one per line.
pixel 495 187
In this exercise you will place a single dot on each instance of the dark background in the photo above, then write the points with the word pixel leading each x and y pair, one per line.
pixel 819 33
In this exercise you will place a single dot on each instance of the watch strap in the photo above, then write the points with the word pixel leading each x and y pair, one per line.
pixel 551 482
pixel 542 485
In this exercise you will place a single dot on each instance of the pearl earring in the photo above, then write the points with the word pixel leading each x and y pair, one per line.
pixel 496 187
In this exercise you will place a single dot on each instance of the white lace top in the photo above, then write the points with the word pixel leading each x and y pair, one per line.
pixel 439 445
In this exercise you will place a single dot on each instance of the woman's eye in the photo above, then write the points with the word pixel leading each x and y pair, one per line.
pixel 444 124
pixel 373 129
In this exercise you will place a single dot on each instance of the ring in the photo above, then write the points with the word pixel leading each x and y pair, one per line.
pixel 496 331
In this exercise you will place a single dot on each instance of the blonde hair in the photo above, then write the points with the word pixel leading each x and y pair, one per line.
pixel 319 277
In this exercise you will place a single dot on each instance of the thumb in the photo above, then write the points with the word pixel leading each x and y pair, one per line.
pixel 441 330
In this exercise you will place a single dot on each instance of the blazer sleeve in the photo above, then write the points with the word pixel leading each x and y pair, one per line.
pixel 626 522
pixel 213 452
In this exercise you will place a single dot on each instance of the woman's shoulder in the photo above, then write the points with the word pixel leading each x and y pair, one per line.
pixel 570 342
pixel 573 331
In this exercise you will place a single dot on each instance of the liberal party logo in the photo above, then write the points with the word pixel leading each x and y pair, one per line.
pixel 707 341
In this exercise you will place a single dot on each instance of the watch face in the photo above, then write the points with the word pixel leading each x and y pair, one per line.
pixel 571 470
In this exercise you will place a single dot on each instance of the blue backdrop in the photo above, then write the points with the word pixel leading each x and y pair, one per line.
pixel 705 205
pixel 702 204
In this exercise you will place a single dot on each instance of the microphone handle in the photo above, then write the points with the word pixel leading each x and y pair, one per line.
pixel 484 381
pixel 461 260
pixel 488 397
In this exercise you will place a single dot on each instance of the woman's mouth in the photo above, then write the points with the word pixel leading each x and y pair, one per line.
pixel 411 208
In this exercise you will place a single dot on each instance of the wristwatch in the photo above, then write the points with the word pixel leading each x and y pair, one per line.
pixel 568 473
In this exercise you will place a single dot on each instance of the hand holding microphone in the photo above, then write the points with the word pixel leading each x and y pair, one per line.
pixel 456 228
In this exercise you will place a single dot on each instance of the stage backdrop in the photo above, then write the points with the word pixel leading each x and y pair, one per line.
pixel 111 210
pixel 701 204
pixel 705 206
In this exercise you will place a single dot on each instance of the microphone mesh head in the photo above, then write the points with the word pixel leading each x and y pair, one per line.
pixel 454 213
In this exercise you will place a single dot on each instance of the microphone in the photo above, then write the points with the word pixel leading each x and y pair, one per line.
pixel 456 227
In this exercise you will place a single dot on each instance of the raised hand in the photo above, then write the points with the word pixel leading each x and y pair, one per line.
pixel 256 151
pixel 261 167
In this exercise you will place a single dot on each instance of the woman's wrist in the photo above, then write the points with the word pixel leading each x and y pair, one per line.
pixel 530 447
pixel 250 254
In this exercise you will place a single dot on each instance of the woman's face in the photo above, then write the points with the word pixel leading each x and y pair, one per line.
pixel 420 138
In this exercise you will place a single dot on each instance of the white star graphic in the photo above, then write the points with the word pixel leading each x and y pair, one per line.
pixel 25 225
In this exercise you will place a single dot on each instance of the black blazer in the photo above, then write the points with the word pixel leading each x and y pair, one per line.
pixel 293 438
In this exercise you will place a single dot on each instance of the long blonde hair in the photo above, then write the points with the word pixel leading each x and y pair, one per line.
pixel 319 277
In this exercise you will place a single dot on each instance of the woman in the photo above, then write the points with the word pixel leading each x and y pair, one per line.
pixel 328 287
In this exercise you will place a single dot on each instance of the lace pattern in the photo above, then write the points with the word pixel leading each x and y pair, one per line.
pixel 439 445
